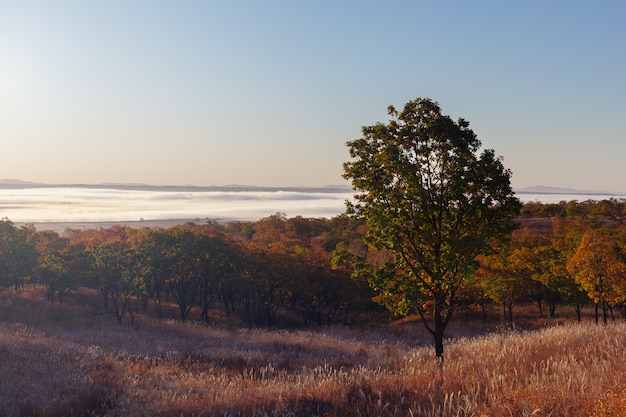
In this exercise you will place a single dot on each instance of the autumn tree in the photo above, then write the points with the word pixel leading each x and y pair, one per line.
pixel 259 282
pixel 620 285
pixel 53 269
pixel 505 276
pixel 101 253
pixel 147 264
pixel 433 199
pixel 179 265
pixel 567 233
pixel 532 257
pixel 111 264
pixel 599 269
pixel 217 259
pixel 18 256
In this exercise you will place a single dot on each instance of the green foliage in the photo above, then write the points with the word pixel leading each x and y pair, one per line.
pixel 294 271
pixel 433 199
pixel 18 255
pixel 53 268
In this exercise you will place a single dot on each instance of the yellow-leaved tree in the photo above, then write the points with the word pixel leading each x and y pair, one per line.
pixel 599 269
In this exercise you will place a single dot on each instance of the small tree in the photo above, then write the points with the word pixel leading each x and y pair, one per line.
pixel 53 269
pixel 505 279
pixel 599 269
pixel 433 201
pixel 18 255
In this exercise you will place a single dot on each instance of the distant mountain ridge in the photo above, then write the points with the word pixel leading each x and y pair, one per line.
pixel 16 184
pixel 8 183
pixel 543 189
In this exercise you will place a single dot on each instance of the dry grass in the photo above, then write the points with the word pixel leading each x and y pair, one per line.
pixel 62 361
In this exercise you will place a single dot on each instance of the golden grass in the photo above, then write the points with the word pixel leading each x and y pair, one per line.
pixel 57 362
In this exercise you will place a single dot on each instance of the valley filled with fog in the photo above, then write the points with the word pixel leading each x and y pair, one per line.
pixel 102 204
pixel 135 203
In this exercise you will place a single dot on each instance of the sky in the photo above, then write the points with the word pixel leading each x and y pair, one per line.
pixel 269 92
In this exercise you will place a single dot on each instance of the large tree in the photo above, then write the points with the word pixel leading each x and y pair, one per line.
pixel 435 201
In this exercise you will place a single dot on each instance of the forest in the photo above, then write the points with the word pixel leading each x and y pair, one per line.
pixel 283 272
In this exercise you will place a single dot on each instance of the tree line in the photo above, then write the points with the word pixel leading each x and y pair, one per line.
pixel 566 254
pixel 251 271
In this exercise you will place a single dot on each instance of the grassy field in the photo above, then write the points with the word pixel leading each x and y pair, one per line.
pixel 64 360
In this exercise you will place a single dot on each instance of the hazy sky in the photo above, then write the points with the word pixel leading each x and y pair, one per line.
pixel 268 92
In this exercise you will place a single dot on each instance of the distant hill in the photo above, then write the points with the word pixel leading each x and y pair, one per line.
pixel 8 181
pixel 16 184
pixel 543 189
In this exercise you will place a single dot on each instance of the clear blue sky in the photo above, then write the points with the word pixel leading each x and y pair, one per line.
pixel 268 92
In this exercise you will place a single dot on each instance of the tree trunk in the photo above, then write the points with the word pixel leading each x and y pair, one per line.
pixel 552 303
pixel 508 305
pixel 484 312
pixel 159 309
pixel 552 310
pixel 438 336
pixel 438 329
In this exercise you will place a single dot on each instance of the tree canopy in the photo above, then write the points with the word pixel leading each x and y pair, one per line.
pixel 434 200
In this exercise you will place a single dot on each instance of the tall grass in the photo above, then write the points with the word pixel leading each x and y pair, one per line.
pixel 63 361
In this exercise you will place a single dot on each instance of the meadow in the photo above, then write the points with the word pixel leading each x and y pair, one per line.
pixel 66 360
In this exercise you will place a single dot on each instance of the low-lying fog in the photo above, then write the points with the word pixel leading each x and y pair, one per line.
pixel 73 204
pixel 101 204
